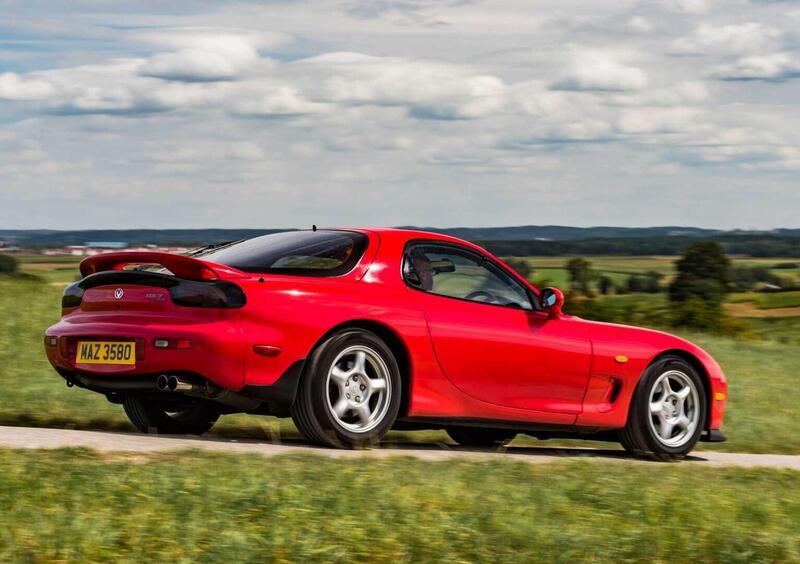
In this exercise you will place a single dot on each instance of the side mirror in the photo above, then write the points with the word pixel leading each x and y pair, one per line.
pixel 552 300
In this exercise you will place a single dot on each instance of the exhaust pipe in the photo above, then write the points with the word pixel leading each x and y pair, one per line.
pixel 175 384
pixel 206 391
pixel 162 383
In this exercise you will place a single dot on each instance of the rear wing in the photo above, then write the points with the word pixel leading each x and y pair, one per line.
pixel 181 266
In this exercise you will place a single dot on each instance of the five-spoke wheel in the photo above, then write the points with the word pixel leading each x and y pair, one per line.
pixel 359 388
pixel 674 413
pixel 350 392
pixel 667 411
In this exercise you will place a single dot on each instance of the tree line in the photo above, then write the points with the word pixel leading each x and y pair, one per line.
pixel 749 245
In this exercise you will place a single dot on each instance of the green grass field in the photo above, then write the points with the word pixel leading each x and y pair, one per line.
pixel 619 268
pixel 72 505
pixel 767 300
pixel 761 415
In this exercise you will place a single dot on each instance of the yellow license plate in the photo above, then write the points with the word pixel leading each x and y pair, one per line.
pixel 106 352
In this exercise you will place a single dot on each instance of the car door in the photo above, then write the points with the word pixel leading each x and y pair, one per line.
pixel 488 337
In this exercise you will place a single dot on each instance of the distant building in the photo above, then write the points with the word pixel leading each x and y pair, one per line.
pixel 766 287
pixel 106 245
pixel 8 248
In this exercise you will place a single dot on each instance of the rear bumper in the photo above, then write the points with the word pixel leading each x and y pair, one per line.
pixel 216 352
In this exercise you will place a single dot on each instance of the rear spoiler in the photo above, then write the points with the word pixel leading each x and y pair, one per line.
pixel 180 265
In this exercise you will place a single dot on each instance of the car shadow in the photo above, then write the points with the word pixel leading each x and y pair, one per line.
pixel 410 448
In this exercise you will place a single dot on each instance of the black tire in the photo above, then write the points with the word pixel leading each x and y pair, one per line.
pixel 479 437
pixel 312 408
pixel 638 436
pixel 154 416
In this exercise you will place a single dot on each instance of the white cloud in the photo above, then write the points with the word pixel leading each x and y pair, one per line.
pixel 773 67
pixel 204 55
pixel 429 89
pixel 196 65
pixel 683 93
pixel 640 24
pixel 592 70
pixel 657 120
pixel 273 100
pixel 689 6
pixel 14 87
pixel 750 37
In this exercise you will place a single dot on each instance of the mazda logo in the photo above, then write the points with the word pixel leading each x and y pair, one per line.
pixel 118 293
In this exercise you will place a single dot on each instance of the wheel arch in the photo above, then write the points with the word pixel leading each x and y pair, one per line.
pixel 392 339
pixel 701 371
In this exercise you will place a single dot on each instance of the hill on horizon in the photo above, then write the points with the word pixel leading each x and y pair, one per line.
pixel 45 237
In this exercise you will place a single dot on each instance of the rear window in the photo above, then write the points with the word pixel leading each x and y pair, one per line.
pixel 301 253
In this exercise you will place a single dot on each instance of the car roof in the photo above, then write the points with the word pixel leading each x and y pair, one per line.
pixel 409 234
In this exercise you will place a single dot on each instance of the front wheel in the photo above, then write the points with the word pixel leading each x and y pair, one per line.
pixel 350 392
pixel 668 411
pixel 170 418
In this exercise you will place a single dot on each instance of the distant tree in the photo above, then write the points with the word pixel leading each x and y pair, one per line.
pixel 653 281
pixel 606 285
pixel 8 264
pixel 521 266
pixel 635 283
pixel 580 275
pixel 700 287
pixel 745 278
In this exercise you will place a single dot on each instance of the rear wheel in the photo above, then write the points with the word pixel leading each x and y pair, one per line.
pixel 667 412
pixel 350 392
pixel 476 437
pixel 170 418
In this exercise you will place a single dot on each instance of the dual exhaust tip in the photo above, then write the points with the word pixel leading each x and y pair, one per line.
pixel 166 383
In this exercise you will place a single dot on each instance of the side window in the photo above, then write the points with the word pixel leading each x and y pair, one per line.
pixel 463 274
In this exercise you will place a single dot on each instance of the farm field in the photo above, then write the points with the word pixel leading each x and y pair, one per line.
pixel 620 267
pixel 74 505
pixel 761 414
pixel 770 315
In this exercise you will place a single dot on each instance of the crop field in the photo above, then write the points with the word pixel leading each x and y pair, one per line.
pixel 74 505
pixel 761 415
pixel 769 300
pixel 618 268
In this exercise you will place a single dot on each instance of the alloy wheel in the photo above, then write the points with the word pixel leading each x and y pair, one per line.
pixel 359 389
pixel 674 408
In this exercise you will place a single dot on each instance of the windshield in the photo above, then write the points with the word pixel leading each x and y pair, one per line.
pixel 302 253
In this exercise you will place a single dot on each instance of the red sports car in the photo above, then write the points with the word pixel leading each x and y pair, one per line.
pixel 353 332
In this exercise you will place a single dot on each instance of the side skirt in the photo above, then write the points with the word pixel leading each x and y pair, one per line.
pixel 540 431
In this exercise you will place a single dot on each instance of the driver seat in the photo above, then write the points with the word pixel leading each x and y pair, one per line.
pixel 423 268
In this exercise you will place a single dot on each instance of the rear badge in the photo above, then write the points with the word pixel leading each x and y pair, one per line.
pixel 118 293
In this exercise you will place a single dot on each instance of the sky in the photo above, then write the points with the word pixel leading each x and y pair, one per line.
pixel 399 112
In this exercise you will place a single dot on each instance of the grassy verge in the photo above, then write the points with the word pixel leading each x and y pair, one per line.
pixel 192 507
pixel 761 416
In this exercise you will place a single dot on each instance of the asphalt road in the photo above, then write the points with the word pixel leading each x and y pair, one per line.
pixel 33 438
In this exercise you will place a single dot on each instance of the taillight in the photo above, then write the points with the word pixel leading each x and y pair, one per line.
pixel 177 344
pixel 208 294
pixel 73 296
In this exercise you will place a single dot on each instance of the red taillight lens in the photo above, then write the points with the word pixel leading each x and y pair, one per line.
pixel 175 344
